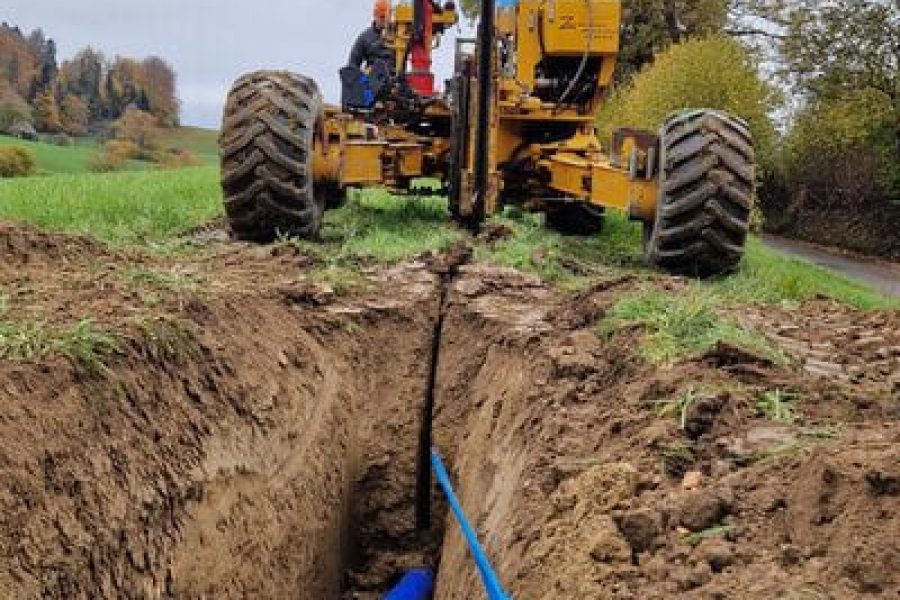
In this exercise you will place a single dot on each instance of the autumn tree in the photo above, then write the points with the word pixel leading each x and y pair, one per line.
pixel 123 87
pixel 75 115
pixel 18 65
pixel 83 77
pixel 159 84
pixel 46 113
pixel 13 108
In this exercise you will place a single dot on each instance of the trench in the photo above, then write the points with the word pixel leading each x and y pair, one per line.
pixel 282 457
pixel 275 452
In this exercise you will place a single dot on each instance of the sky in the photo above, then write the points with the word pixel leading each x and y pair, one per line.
pixel 210 43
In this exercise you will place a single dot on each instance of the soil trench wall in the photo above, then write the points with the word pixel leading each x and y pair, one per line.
pixel 223 466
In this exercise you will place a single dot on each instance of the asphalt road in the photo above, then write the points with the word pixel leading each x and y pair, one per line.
pixel 879 274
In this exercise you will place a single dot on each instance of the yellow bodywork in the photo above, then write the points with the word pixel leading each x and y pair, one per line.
pixel 535 33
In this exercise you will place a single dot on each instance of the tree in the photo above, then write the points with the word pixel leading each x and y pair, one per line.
pixel 83 77
pixel 651 26
pixel 75 115
pixel 123 87
pixel 714 72
pixel 839 46
pixel 13 108
pixel 18 65
pixel 160 89
pixel 46 113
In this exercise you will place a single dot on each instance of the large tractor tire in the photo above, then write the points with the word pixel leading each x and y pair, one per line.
pixel 575 218
pixel 267 151
pixel 707 180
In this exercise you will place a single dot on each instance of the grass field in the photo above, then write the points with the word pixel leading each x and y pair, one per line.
pixel 118 208
pixel 52 159
pixel 141 207
pixel 56 159
pixel 202 142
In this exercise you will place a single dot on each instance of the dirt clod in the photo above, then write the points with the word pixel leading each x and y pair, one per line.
pixel 701 510
pixel 715 552
pixel 640 527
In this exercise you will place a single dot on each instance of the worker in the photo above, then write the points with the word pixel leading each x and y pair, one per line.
pixel 370 48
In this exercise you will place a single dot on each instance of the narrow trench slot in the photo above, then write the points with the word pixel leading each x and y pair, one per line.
pixel 392 527
pixel 423 457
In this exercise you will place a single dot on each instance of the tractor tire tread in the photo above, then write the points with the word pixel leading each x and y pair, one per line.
pixel 706 194
pixel 266 152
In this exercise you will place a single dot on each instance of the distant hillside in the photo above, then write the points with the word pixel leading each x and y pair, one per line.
pixel 52 159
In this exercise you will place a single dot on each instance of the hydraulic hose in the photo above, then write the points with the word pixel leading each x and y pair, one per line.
pixel 587 54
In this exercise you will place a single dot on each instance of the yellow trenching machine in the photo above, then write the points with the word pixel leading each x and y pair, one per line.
pixel 516 126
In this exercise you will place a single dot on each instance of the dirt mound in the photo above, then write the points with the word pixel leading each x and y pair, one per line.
pixel 594 476
pixel 21 244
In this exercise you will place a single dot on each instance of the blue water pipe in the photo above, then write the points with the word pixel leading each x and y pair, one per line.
pixel 489 577
pixel 415 585
pixel 418 584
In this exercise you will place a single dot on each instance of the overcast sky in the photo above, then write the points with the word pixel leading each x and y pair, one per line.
pixel 210 42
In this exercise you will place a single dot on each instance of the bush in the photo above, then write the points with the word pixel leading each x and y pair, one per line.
pixel 844 150
pixel 714 72
pixel 176 159
pixel 122 149
pixel 17 162
pixel 138 127
pixel 104 162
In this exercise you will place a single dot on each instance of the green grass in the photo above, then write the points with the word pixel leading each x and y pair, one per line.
pixel 52 159
pixel 678 406
pixel 202 142
pixel 695 539
pixel 377 227
pixel 768 276
pixel 779 406
pixel 118 208
pixel 680 324
pixel 567 261
pixel 82 342
pixel 695 319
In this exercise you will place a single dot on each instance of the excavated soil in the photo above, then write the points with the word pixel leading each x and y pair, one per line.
pixel 255 436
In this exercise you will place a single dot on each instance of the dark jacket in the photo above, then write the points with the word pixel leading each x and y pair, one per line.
pixel 369 49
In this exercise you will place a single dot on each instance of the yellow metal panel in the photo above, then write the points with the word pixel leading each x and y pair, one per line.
pixel 602 184
pixel 361 163
pixel 409 160
pixel 568 26
pixel 528 41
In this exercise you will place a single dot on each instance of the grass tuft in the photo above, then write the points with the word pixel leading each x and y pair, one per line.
pixel 779 406
pixel 82 342
pixel 678 325
pixel 678 406
pixel 167 338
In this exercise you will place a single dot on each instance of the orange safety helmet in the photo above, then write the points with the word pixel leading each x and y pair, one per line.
pixel 382 9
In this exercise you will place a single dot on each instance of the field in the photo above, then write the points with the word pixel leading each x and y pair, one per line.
pixel 53 159
pixel 204 417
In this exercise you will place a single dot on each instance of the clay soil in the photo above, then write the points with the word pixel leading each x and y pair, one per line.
pixel 254 435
